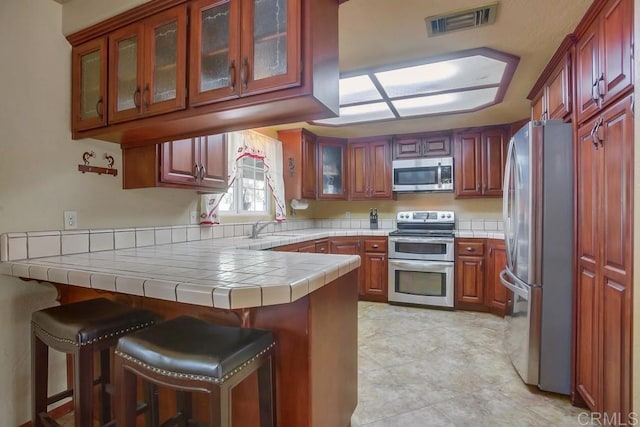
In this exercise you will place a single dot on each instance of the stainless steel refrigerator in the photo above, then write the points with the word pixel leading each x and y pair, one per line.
pixel 538 224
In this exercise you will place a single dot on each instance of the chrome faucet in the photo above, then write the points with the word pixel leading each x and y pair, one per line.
pixel 257 228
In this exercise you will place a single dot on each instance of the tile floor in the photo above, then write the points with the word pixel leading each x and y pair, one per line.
pixel 421 367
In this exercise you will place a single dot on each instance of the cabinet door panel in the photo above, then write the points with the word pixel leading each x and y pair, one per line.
pixel 178 161
pixel 215 51
pixel 617 167
pixel 559 91
pixel 358 171
pixel 587 338
pixel 307 247
pixel 308 166
pixel 469 279
pixel 436 146
pixel 375 276
pixel 380 169
pixel 166 61
pixel 126 57
pixel 538 109
pixel 89 70
pixel 587 59
pixel 213 161
pixel 270 45
pixel 408 148
pixel 332 169
pixel 493 161
pixel 497 295
pixel 616 59
pixel 587 187
pixel 468 173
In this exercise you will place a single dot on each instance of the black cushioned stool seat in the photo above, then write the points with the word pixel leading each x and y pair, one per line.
pixel 79 329
pixel 189 355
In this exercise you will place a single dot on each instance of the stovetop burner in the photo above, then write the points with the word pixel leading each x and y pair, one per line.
pixel 425 224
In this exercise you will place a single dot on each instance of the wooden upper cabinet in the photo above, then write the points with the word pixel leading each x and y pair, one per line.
pixel 89 90
pixel 480 157
pixel 552 97
pixel 370 169
pixel 468 164
pixel 422 145
pixel 494 156
pixel 194 163
pixel 604 61
pixel 147 66
pixel 299 156
pixel 332 168
pixel 243 47
pixel 558 90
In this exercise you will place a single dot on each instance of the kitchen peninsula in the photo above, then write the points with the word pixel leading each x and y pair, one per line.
pixel 309 301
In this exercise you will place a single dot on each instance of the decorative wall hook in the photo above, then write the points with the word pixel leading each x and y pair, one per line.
pixel 86 167
pixel 292 166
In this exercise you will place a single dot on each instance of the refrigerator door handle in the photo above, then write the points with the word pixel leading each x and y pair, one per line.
pixel 505 201
pixel 515 287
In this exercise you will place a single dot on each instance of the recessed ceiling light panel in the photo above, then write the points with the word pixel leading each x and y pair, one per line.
pixel 360 113
pixel 358 89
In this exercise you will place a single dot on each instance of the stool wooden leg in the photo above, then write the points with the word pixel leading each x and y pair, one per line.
pixel 126 388
pixel 152 415
pixel 183 402
pixel 105 378
pixel 39 379
pixel 266 392
pixel 83 386
pixel 216 406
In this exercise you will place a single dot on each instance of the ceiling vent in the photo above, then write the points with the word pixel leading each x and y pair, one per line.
pixel 461 20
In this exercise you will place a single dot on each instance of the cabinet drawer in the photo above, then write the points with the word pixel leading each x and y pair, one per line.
pixel 470 248
pixel 375 245
pixel 322 247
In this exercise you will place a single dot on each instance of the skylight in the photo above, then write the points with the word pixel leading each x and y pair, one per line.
pixel 460 82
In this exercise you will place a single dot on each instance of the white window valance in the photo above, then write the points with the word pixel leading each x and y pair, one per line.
pixel 250 144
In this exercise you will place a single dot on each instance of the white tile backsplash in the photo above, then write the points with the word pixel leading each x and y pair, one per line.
pixel 75 243
pixel 40 245
pixel 178 234
pixel 163 236
pixel 193 233
pixel 17 248
pixel 464 225
pixel 477 224
pixel 100 240
pixel 145 237
pixel 125 239
pixel 206 232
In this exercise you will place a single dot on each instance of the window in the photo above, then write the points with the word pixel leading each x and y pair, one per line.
pixel 249 192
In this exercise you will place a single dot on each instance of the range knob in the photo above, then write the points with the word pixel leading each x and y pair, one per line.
pixel 448 215
pixel 441 215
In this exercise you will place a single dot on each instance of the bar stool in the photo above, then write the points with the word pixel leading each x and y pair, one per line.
pixel 189 355
pixel 79 329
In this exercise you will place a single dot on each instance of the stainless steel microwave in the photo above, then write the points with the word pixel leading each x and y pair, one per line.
pixel 431 174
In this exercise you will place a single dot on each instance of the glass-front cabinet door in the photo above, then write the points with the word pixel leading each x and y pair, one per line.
pixel 215 47
pixel 147 73
pixel 89 84
pixel 331 153
pixel 270 44
pixel 243 47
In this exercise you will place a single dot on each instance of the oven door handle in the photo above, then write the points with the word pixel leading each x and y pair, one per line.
pixel 430 240
pixel 420 265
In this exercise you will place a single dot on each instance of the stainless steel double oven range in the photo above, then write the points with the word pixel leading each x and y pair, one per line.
pixel 421 259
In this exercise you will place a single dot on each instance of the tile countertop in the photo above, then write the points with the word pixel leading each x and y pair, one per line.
pixel 227 273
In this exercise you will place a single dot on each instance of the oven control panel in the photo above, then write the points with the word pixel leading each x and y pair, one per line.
pixel 425 216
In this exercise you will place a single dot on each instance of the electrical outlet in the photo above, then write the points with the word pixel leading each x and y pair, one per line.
pixel 347 215
pixel 193 217
pixel 70 220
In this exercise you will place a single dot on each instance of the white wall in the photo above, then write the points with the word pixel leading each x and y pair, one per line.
pixel 39 177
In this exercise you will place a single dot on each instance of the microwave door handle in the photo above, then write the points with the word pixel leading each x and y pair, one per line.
pixel 439 175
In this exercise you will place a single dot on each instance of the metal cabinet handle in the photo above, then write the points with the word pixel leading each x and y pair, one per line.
pixel 136 98
pixel 195 171
pixel 99 108
pixel 146 96
pixel 322 249
pixel 244 72
pixel 595 136
pixel 375 246
pixel 599 82
pixel 232 75
pixel 470 249
pixel 203 171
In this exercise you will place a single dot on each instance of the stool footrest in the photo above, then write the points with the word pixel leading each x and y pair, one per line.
pixel 176 420
pixel 59 396
pixel 47 420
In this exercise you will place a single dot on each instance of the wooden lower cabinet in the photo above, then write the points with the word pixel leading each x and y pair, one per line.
pixel 497 297
pixel 478 263
pixel 603 291
pixel 373 277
